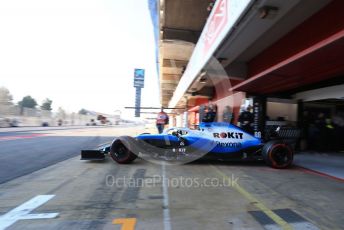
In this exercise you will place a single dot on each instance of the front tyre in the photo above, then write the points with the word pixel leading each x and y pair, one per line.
pixel 278 154
pixel 121 154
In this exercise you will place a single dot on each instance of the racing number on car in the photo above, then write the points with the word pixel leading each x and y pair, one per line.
pixel 127 223
pixel 182 149
pixel 258 134
pixel 179 150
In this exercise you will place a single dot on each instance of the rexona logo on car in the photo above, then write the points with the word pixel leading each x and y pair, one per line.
pixel 231 135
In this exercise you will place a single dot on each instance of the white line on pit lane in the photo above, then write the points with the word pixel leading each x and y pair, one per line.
pixel 22 212
pixel 166 211
pixel 299 226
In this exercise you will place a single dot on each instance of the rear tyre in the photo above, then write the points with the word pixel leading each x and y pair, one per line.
pixel 121 154
pixel 278 154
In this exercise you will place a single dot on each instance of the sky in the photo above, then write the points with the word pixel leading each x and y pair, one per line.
pixel 79 53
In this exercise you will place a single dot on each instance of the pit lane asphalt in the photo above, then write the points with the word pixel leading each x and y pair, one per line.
pixel 97 195
pixel 27 149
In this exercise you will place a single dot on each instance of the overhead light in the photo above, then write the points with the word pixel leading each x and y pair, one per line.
pixel 221 60
pixel 203 77
pixel 268 12
pixel 211 5
pixel 203 73
pixel 203 80
pixel 183 69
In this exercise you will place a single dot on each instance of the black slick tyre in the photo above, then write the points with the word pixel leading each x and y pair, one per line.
pixel 121 154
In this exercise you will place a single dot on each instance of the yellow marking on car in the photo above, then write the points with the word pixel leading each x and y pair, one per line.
pixel 127 223
pixel 284 225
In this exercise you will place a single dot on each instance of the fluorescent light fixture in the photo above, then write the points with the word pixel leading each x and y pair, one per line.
pixel 203 73
pixel 268 12
pixel 203 77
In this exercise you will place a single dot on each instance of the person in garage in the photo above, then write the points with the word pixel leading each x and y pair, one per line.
pixel 209 113
pixel 338 122
pixel 227 115
pixel 162 120
pixel 246 119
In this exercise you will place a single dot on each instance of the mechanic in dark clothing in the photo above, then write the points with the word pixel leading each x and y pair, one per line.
pixel 227 115
pixel 338 123
pixel 246 120
pixel 320 132
pixel 209 114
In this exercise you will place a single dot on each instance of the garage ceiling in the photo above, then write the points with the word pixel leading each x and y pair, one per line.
pixel 184 19
pixel 175 56
pixel 181 23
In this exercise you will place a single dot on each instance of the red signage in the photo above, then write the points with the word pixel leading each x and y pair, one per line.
pixel 216 24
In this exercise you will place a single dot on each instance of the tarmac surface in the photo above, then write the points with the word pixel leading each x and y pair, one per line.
pixel 49 192
pixel 331 164
pixel 25 150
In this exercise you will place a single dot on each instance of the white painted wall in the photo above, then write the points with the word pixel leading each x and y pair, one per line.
pixel 286 110
pixel 185 120
pixel 179 120
pixel 336 92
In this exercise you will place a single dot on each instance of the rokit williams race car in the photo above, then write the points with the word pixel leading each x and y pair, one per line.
pixel 214 139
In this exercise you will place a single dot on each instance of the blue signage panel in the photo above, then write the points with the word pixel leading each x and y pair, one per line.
pixel 139 78
pixel 139 73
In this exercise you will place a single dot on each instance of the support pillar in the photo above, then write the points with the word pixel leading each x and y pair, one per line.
pixel 300 117
pixel 138 102
pixel 301 124
pixel 259 116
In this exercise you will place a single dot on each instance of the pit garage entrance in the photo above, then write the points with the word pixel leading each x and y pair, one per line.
pixel 322 116
pixel 283 54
